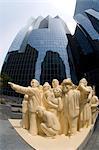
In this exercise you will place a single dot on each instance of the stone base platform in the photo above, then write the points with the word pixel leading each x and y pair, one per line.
pixel 62 142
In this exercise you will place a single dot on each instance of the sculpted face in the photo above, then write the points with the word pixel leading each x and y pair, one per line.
pixel 46 86
pixel 55 83
pixel 40 111
pixel 34 83
pixel 57 92
pixel 67 85
pixel 83 81
pixel 64 88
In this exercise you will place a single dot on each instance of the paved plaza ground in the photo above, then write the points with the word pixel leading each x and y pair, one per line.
pixel 93 143
pixel 10 140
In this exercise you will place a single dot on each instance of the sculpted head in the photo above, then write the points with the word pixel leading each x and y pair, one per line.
pixel 40 87
pixel 55 83
pixel 57 92
pixel 40 111
pixel 83 81
pixel 34 83
pixel 46 86
pixel 67 85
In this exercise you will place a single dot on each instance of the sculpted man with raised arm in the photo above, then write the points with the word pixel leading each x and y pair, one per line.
pixel 34 98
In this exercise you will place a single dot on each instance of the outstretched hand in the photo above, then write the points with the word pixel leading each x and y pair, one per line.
pixel 11 84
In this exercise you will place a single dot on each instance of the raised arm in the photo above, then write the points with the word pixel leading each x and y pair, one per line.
pixel 83 88
pixel 22 89
pixel 90 94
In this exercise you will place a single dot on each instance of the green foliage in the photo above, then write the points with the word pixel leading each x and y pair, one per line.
pixel 4 79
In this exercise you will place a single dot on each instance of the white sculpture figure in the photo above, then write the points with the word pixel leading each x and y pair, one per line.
pixel 85 107
pixel 49 101
pixel 58 96
pixel 57 93
pixel 34 101
pixel 41 90
pixel 94 104
pixel 88 108
pixel 50 124
pixel 55 83
pixel 25 113
pixel 70 98
pixel 58 99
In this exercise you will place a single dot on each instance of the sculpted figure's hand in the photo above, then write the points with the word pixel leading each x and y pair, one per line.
pixel 11 84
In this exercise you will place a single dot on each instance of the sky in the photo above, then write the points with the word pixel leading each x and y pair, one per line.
pixel 14 14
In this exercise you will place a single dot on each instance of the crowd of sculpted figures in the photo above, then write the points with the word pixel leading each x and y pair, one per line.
pixel 60 109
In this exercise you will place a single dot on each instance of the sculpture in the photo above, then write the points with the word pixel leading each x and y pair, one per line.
pixel 58 96
pixel 62 109
pixel 41 90
pixel 55 83
pixel 57 93
pixel 50 124
pixel 49 101
pixel 94 104
pixel 34 101
pixel 71 106
pixel 25 113
pixel 85 107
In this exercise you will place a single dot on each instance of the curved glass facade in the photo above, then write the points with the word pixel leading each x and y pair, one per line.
pixel 87 25
pixel 87 40
pixel 42 53
pixel 52 67
pixel 52 38
pixel 82 5
pixel 94 17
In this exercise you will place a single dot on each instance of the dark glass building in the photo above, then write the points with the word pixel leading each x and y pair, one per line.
pixel 82 5
pixel 40 50
pixel 86 39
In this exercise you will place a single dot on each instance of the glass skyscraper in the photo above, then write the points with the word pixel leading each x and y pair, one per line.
pixel 40 50
pixel 87 40
pixel 82 5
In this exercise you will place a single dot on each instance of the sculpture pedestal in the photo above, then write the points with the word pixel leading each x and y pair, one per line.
pixel 61 142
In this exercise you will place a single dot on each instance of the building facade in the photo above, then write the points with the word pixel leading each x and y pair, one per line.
pixel 82 5
pixel 86 38
pixel 41 51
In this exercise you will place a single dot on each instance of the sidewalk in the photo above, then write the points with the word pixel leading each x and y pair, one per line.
pixel 93 143
pixel 9 138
